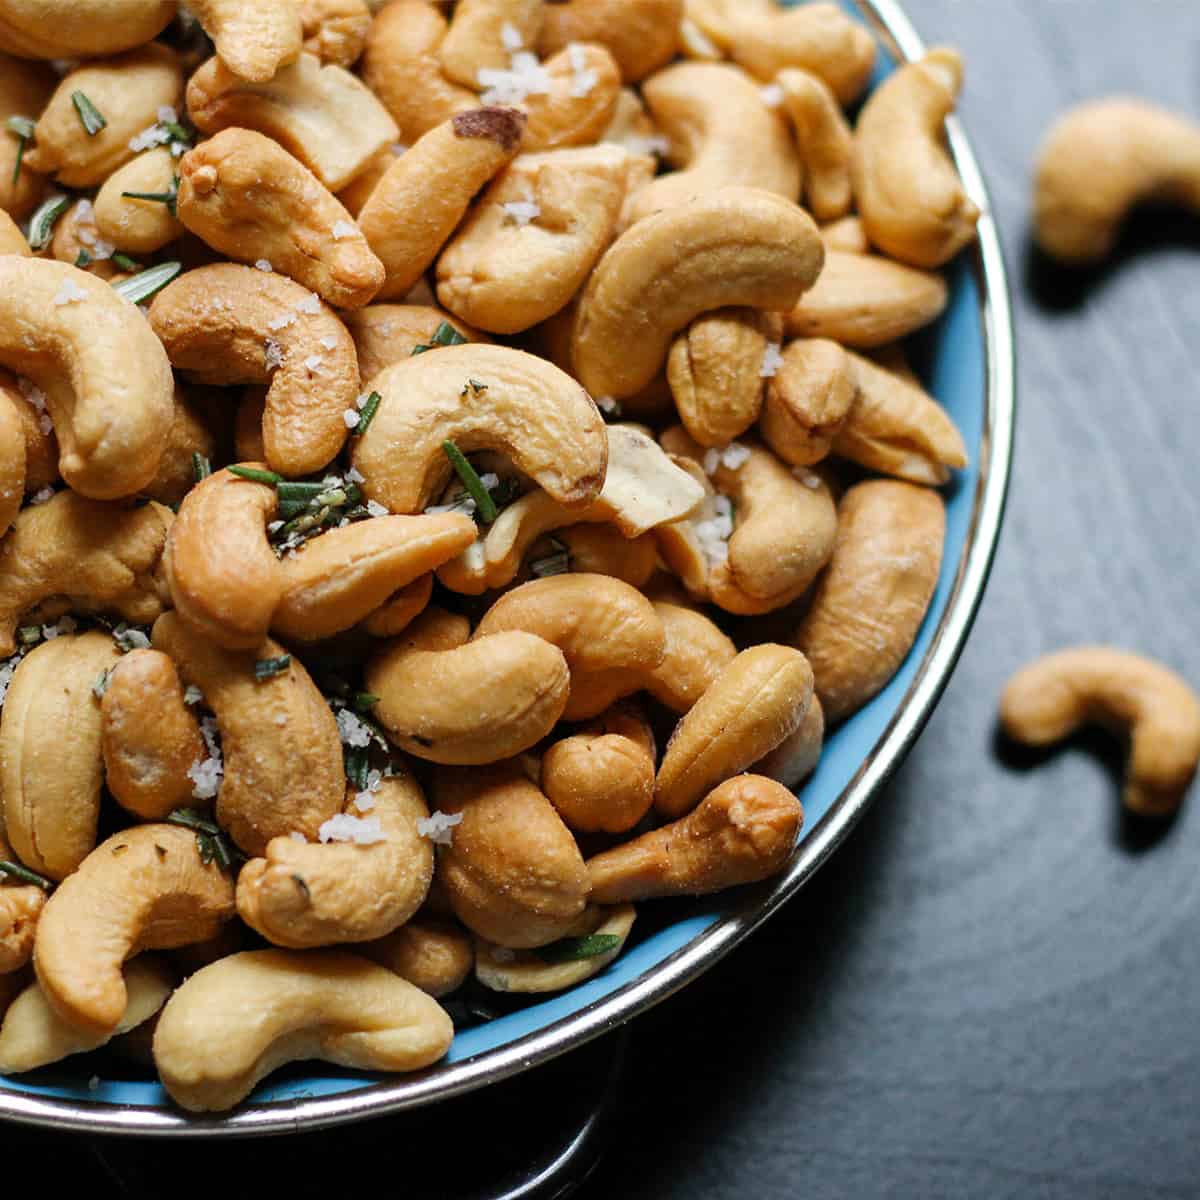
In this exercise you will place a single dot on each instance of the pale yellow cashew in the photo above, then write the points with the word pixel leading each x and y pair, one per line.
pixel 604 550
pixel 41 446
pixel 1134 696
pixel 335 30
pixel 253 38
pixel 82 28
pixel 476 39
pixel 808 401
pixel 641 35
pixel 197 418
pixel 432 954
pixel 20 907
pixel 107 381
pixel 846 234
pixel 401 609
pixel 825 139
pixel 138 226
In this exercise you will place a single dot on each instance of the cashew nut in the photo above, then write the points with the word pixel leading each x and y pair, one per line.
pixel 25 89
pixel 641 35
pixel 1051 698
pixel 737 246
pixel 825 140
pixel 512 870
pixel 149 736
pixel 247 197
pixel 481 398
pixel 227 324
pixel 808 401
pixel 796 757
pixel 697 652
pixel 432 954
pixel 323 1004
pixel 425 193
pixel 872 598
pixel 253 40
pixel 570 114
pixel 145 888
pixel 911 200
pixel 20 907
pixel 82 29
pixel 335 30
pixel 12 460
pixel 401 609
pixel 476 39
pixel 846 234
pixel 387 333
pixel 76 230
pixel 283 768
pixel 138 226
pixel 604 550
pixel 194 429
pixel 741 832
pixel 449 701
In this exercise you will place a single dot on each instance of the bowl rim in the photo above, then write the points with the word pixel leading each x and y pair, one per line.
pixel 890 23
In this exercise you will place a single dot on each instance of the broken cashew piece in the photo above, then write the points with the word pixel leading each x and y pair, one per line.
pixel 1051 698
pixel 697 652
pixel 808 401
pixel 138 226
pixel 252 39
pixel 641 35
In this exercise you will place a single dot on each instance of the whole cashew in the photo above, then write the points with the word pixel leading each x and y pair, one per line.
pixel 12 459
pixel 283 768
pixel 431 953
pixel 228 324
pixel 697 652
pixel 25 89
pixel 21 905
pixel 796 757
pixel 912 202
pixel 1102 159
pixel 322 1004
pixel 737 246
pixel 641 35
pixel 808 401
pixel 866 300
pixel 107 381
pixel 872 598
pixel 34 1035
pixel 99 557
pixel 83 29
pixel 149 736
pixel 335 30
pixel 302 895
pixel 144 888
pixel 401 609
pixel 475 40
pixel 825 140
pixel 720 130
pixel 426 192
pixel 568 114
pixel 512 871
pixel 255 39
pixel 523 406
pixel 447 701
pixel 1051 698
pixel 12 240
pixel 138 226
pixel 741 832
pixel 247 197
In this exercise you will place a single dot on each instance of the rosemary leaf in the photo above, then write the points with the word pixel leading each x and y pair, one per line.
pixel 259 476
pixel 576 949
pixel 148 283
pixel 201 467
pixel 41 224
pixel 444 335
pixel 485 506
pixel 125 262
pixel 268 668
pixel 89 115
pixel 367 414
pixel 25 875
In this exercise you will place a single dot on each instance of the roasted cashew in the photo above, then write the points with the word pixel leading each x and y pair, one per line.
pixel 34 1035
pixel 144 888
pixel 720 130
pixel 512 870
pixel 98 557
pixel 506 272
pixel 20 907
pixel 246 196
pixel 737 246
pixel 107 381
pixel 12 459
pixel 227 323
pixel 41 446
pixel 1051 698
pixel 191 432
pixel 641 35
pixel 25 89
pixel 84 29
pixel 796 757
pixel 604 550
pixel 432 954
pixel 825 140
pixel 282 754
pixel 335 30
pixel 570 114
pixel 323 1004
pixel 253 40
pixel 605 629
pixel 808 401
pixel 426 192
pixel 138 226
pixel 476 38
pixel 911 200
pixel 846 234
pixel 697 652
pixel 1102 159
pixel 481 398
pixel 741 832
pixel 866 300
pixel 451 702
pixel 872 598
pixel 149 736
pixel 323 115
pixel 401 609
pixel 302 895
pixel 387 333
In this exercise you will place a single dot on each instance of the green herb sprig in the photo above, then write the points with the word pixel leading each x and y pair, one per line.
pixel 485 506
pixel 23 127
pixel 444 335
pixel 201 467
pixel 16 871
pixel 212 844
pixel 367 413
pixel 557 562
pixel 577 949
pixel 168 198
pixel 268 668
pixel 89 115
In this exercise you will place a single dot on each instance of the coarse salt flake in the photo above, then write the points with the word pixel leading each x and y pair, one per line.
pixel 273 352
pixel 328 343
pixel 153 135
pixel 772 95
pixel 734 455
pixel 40 497
pixel 510 35
pixel 583 78
pixel 376 509
pixel 438 827
pixel 810 479
pixel 772 361
pixel 313 363
pixel 343 229
pixel 711 461
pixel 354 475
pixel 32 393
pixel 525 77
pixel 648 145
pixel 311 304
pixel 351 418
pixel 69 292
pixel 364 801
pixel 206 775
pixel 343 827
pixel 263 265
pixel 353 730
pixel 607 404
pixel 45 424
pixel 522 212
pixel 192 694
pixel 489 479
pixel 167 115
pixel 297 836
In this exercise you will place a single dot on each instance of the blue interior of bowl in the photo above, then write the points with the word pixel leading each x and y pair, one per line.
pixel 951 360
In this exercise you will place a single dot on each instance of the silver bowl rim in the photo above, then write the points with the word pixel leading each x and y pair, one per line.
pixel 444 1082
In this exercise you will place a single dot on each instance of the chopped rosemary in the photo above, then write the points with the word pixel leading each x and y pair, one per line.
pixel 193 818
pixel 101 684
pixel 201 467
pixel 41 224
pixel 268 668
pixel 25 875
pixel 125 262
pixel 29 635
pixel 557 562
pixel 206 847
pixel 363 702
pixel 485 506
pixel 367 413
pixel 148 283
pixel 297 491
pixel 444 335
pixel 23 127
pixel 576 949
pixel 357 766
pixel 178 132
pixel 259 476
pixel 167 198
pixel 83 258
pixel 89 115
pixel 211 842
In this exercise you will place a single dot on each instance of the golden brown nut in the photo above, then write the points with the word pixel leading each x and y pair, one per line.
pixel 796 757
pixel 697 652
pixel 825 140
pixel 191 433
pixel 139 226
pixel 741 832
pixel 432 954
pixel 12 240
pixel 20 907
pixel 808 401
pixel 12 459
pixel 25 87
pixel 388 333
pixel 604 550
pixel 252 39
pixel 401 609
pixel 641 35
pixel 335 30
pixel 41 446
pixel 584 82
pixel 477 38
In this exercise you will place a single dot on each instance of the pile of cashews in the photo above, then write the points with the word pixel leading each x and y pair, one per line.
pixel 412 417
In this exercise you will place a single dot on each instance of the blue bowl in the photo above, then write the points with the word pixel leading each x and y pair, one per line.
pixel 966 362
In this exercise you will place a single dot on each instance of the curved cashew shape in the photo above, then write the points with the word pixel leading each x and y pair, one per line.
pixel 475 40
pixel 148 735
pixel 450 702
pixel 871 600
pixel 808 401
pixel 345 575
pixel 754 703
pixel 912 202
pixel 796 757
pixel 512 871
pixel 12 459
pixel 737 246
pixel 108 382
pixel 225 579
pixel 529 410
pixel 25 88
pixel 98 557
pixel 34 1035
pixel 21 905
pixel 604 628
pixel 426 192
pixel 1051 698
pixel 322 1004
pixel 641 35
pixel 503 275
pixel 335 30
pixel 401 609
pixel 697 652
pixel 89 29
pixel 1102 159
pixel 866 300
pixel 302 895
pixel 567 115
pixel 41 446
pixel 720 129
pixel 12 240
pixel 743 831
pixel 247 197
pixel 144 888
pixel 138 226
pixel 388 333
pixel 825 140
pixel 283 755
pixel 432 954
pixel 220 323
pixel 252 39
